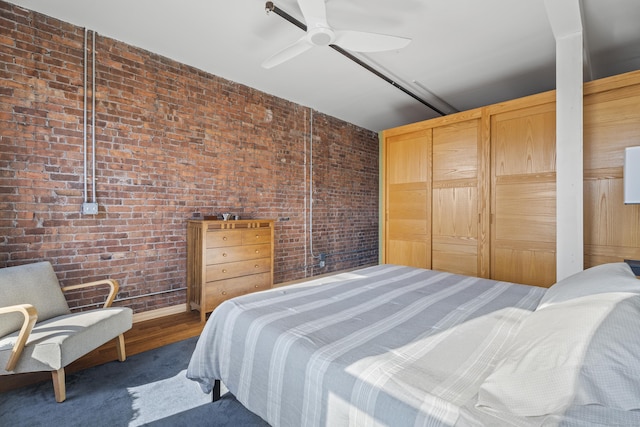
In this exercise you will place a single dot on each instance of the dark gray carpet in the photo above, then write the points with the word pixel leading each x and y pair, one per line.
pixel 147 389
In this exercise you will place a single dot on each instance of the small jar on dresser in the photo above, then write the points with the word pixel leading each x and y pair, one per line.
pixel 226 259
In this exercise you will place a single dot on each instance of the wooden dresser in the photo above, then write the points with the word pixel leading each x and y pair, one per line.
pixel 226 259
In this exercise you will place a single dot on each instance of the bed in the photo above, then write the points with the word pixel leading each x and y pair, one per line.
pixel 391 345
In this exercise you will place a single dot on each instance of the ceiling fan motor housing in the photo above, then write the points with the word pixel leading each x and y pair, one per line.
pixel 321 36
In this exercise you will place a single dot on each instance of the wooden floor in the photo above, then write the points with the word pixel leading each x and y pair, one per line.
pixel 142 337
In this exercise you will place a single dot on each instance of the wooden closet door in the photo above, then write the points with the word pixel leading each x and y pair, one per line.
pixel 407 196
pixel 455 198
pixel 523 229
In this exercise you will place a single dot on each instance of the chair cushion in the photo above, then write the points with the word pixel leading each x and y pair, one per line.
pixel 34 284
pixel 55 343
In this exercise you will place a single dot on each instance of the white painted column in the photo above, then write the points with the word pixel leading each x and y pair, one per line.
pixel 566 22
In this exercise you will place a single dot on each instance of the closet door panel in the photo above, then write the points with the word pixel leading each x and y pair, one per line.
pixel 455 230
pixel 413 253
pixel 523 229
pixel 527 266
pixel 408 158
pixel 455 151
pixel 407 195
pixel 525 211
pixel 524 141
pixel 454 203
pixel 407 213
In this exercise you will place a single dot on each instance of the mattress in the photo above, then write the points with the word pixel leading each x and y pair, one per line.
pixel 384 345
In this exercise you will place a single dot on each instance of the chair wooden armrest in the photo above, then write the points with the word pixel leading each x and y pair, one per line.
pixel 30 317
pixel 113 284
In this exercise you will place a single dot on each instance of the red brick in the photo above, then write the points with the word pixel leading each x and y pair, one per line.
pixel 170 140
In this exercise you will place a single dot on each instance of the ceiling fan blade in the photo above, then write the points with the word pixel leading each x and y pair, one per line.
pixel 314 12
pixel 287 53
pixel 360 41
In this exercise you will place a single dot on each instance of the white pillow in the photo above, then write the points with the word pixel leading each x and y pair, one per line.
pixel 614 277
pixel 581 352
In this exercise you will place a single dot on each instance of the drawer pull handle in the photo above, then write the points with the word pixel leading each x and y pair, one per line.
pixel 224 270
pixel 224 254
pixel 255 286
pixel 257 251
pixel 224 292
pixel 257 236
pixel 257 265
pixel 224 238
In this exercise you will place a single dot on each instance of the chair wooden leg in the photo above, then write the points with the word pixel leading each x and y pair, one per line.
pixel 122 354
pixel 59 387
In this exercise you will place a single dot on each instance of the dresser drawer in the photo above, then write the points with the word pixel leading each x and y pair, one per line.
pixel 221 290
pixel 237 253
pixel 256 236
pixel 223 238
pixel 236 269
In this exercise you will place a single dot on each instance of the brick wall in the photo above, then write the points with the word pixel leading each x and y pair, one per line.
pixel 170 140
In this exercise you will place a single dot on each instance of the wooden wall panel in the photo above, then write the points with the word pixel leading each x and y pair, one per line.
pixel 608 222
pixel 612 123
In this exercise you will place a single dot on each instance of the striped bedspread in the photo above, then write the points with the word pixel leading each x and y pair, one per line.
pixel 385 345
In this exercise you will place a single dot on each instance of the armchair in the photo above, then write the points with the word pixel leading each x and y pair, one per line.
pixel 38 331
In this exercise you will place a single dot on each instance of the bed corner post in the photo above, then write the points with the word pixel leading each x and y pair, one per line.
pixel 215 394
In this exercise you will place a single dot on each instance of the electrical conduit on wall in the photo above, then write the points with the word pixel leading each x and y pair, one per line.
pixel 90 208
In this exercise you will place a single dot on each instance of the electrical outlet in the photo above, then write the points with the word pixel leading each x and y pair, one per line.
pixel 89 208
pixel 323 260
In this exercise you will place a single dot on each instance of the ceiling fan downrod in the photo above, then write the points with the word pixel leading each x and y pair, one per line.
pixel 270 7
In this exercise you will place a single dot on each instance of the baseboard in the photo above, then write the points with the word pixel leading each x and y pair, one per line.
pixel 160 312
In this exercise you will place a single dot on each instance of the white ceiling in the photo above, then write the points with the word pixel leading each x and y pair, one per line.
pixel 468 53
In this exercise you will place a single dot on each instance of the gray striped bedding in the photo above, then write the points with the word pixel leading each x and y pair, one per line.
pixel 382 346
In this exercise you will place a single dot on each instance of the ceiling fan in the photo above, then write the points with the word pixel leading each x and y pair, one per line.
pixel 319 33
